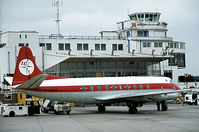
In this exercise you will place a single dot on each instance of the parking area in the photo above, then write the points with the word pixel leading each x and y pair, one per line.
pixel 86 119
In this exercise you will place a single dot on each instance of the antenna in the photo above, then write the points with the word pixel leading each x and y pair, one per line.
pixel 0 22
pixel 128 13
pixel 57 3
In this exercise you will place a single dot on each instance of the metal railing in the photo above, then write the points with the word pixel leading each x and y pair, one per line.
pixel 78 37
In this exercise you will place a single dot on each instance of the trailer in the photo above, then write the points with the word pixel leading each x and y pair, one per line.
pixel 13 110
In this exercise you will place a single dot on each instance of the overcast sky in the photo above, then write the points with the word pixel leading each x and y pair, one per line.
pixel 88 17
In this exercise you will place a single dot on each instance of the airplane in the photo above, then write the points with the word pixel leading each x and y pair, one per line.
pixel 102 91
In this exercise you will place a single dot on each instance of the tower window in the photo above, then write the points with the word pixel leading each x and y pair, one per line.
pixel 143 33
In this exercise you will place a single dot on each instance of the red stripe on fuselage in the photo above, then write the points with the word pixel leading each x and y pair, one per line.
pixel 90 88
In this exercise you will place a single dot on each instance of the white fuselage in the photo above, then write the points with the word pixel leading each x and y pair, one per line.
pixel 86 90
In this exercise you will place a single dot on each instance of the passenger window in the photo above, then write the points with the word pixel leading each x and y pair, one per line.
pixel 141 86
pixel 134 87
pixel 148 86
pixel 20 108
pixel 98 88
pixel 83 88
pixel 106 87
pixel 113 87
pixel 127 87
pixel 91 88
pixel 120 87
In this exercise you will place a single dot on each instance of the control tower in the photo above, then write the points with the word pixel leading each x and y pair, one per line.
pixel 144 24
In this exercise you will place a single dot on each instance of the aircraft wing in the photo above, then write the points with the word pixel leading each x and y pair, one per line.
pixel 136 95
pixel 34 82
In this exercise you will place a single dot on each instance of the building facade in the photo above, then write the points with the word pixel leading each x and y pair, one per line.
pixel 139 47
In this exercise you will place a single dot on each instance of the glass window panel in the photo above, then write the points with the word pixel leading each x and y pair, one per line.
pixel 114 46
pixel 120 87
pixel 83 88
pixel 67 46
pixel 79 46
pixel 113 87
pixel 106 87
pixel 98 88
pixel 91 88
pixel 61 46
pixel 103 46
pixel 156 44
pixel 134 86
pixel 41 44
pixel 120 46
pixel 97 46
pixel 127 87
pixel 85 46
pixel 21 44
pixel 146 17
pixel 141 86
pixel 150 17
pixel 48 46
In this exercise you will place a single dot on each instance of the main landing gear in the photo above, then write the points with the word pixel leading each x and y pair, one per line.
pixel 101 108
pixel 133 107
pixel 164 105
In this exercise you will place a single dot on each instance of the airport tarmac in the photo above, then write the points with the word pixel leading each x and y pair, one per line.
pixel 86 119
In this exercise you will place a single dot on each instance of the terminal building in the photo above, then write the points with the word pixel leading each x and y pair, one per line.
pixel 139 47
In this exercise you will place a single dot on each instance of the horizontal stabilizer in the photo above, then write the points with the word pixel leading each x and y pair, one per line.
pixel 34 82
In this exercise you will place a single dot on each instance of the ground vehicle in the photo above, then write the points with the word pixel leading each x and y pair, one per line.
pixel 33 106
pixel 191 97
pixel 13 109
pixel 62 108
pixel 56 106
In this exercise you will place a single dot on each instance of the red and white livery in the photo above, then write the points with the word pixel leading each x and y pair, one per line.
pixel 97 90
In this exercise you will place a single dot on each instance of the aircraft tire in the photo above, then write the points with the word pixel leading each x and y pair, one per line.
pixel 164 106
pixel 101 108
pixel 133 110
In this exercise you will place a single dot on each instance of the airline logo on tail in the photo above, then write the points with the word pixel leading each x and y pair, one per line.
pixel 26 67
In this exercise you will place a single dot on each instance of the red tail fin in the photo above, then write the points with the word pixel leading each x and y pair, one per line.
pixel 25 68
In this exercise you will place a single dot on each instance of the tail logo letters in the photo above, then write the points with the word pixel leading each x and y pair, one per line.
pixel 26 67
